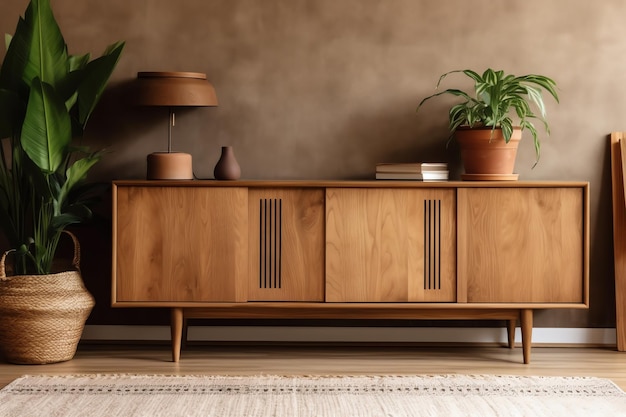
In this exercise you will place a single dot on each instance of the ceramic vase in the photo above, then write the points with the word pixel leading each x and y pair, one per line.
pixel 227 168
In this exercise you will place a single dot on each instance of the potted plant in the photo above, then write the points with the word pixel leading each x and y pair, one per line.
pixel 483 124
pixel 46 99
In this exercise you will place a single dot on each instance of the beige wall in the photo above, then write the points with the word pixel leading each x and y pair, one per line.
pixel 327 88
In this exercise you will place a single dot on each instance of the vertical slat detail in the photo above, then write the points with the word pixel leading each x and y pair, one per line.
pixel 280 243
pixel 261 246
pixel 432 244
pixel 439 245
pixel 268 244
pixel 270 241
pixel 426 255
pixel 265 236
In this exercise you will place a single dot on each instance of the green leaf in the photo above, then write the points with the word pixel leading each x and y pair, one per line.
pixel 63 220
pixel 473 75
pixel 507 129
pixel 444 76
pixel 78 62
pixel 544 82
pixel 7 40
pixel 75 174
pixel 47 58
pixel 68 88
pixel 97 74
pixel 453 92
pixel 490 76
pixel 47 129
pixel 535 96
pixel 36 50
pixel 15 60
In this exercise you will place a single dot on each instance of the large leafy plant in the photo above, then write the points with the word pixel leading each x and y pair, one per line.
pixel 496 99
pixel 46 99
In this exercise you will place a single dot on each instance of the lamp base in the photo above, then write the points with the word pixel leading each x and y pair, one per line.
pixel 169 166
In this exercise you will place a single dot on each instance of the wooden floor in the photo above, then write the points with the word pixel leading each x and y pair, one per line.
pixel 332 360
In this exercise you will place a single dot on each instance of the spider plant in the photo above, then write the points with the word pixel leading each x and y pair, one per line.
pixel 496 99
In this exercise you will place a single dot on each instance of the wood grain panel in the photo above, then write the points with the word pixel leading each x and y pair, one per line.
pixel 286 245
pixel 382 245
pixel 522 245
pixel 180 244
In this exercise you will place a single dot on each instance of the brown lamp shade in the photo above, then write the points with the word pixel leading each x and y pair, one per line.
pixel 174 89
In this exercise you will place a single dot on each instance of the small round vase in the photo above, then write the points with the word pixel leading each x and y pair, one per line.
pixel 227 168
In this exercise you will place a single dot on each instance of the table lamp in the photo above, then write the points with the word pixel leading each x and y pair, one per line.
pixel 171 90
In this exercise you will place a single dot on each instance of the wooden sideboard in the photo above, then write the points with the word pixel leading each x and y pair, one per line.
pixel 351 249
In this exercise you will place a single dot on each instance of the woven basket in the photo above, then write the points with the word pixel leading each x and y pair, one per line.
pixel 42 317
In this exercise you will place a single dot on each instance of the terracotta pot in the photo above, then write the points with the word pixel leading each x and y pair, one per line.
pixel 485 152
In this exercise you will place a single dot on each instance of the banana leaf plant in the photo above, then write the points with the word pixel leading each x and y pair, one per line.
pixel 46 99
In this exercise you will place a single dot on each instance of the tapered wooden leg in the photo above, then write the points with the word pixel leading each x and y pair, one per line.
pixel 176 325
pixel 510 331
pixel 526 322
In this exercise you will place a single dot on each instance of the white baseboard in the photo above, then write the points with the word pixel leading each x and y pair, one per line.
pixel 447 335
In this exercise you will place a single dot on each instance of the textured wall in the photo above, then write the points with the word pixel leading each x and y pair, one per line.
pixel 327 88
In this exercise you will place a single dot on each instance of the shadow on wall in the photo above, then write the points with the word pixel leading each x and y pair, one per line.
pixel 348 146
pixel 395 134
pixel 601 272
pixel 115 126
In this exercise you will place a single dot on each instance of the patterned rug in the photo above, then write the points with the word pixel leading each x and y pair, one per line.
pixel 354 396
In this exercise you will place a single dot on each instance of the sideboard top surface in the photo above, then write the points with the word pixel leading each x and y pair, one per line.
pixel 350 183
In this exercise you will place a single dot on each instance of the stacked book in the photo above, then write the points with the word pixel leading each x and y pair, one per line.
pixel 420 171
